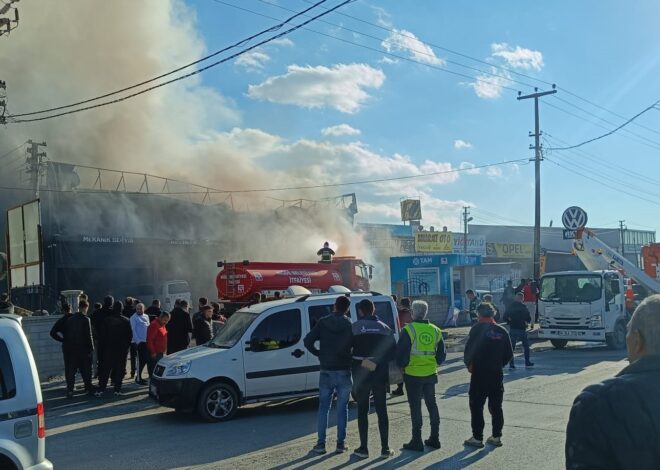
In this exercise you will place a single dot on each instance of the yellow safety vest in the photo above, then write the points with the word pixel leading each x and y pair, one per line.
pixel 424 340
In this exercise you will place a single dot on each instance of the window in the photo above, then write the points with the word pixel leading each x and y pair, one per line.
pixel 233 330
pixel 7 379
pixel 279 331
pixel 316 312
pixel 385 314
pixel 179 288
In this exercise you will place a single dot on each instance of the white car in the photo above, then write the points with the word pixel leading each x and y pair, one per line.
pixel 258 356
pixel 22 425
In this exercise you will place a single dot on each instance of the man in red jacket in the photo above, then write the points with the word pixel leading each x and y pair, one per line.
pixel 157 340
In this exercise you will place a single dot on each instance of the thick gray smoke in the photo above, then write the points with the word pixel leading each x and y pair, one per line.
pixel 67 51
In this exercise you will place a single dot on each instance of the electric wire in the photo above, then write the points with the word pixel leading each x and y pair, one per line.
pixel 171 72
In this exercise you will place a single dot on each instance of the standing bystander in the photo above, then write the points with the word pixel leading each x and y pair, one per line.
pixel 139 325
pixel 157 340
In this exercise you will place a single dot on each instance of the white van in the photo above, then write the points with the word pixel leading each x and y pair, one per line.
pixel 165 291
pixel 22 425
pixel 258 356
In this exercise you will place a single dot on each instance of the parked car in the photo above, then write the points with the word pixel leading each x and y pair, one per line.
pixel 22 424
pixel 258 356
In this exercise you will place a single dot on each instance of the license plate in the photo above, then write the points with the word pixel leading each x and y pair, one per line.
pixel 569 333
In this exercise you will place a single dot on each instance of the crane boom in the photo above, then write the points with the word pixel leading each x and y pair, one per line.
pixel 596 255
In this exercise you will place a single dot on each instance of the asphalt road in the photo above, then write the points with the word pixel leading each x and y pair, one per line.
pixel 133 432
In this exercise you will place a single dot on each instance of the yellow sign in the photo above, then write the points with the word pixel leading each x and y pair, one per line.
pixel 509 250
pixel 542 266
pixel 433 242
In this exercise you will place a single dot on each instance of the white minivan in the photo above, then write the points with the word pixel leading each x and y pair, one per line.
pixel 22 425
pixel 258 356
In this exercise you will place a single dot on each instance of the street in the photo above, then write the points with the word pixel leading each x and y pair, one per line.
pixel 133 432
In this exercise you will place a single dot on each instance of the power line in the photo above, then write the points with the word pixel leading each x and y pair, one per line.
pixel 12 151
pixel 418 51
pixel 195 72
pixel 497 66
pixel 293 188
pixel 653 106
pixel 615 188
pixel 380 51
pixel 214 54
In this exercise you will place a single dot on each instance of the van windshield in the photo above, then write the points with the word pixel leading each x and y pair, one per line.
pixel 178 288
pixel 571 288
pixel 233 330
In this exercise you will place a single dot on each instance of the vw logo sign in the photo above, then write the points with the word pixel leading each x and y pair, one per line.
pixel 574 218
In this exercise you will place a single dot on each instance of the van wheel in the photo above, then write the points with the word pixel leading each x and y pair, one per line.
pixel 6 462
pixel 617 339
pixel 217 402
pixel 559 343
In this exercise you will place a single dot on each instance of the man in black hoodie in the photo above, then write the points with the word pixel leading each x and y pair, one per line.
pixel 334 334
pixel 202 325
pixel 373 349
pixel 116 341
pixel 487 350
pixel 58 333
pixel 179 328
pixel 78 345
pixel 154 311
pixel 98 320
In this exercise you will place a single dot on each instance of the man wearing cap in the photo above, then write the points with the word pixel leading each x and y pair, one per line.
pixel 420 351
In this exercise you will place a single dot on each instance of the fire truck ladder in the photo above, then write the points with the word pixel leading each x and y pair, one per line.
pixel 596 255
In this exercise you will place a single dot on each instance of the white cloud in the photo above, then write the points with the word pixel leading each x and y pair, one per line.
pixel 460 144
pixel 469 168
pixel 341 129
pixel 388 60
pixel 253 60
pixel 518 57
pixel 341 86
pixel 405 41
pixel 491 86
pixel 281 42
pixel 494 172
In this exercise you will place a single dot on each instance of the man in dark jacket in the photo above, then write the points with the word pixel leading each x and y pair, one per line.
pixel 373 349
pixel 78 345
pixel 129 310
pixel 487 350
pixel 179 328
pixel 404 317
pixel 518 318
pixel 153 311
pixel 98 320
pixel 616 424
pixel 201 303
pixel 116 342
pixel 420 350
pixel 5 304
pixel 203 326
pixel 58 333
pixel 334 334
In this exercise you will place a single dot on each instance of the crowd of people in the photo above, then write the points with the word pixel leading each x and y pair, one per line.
pixel 101 343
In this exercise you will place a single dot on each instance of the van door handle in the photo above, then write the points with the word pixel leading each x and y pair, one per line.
pixel 298 353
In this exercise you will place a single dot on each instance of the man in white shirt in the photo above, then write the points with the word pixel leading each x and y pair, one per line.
pixel 139 325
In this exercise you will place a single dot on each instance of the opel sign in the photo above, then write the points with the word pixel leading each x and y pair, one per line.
pixel 574 218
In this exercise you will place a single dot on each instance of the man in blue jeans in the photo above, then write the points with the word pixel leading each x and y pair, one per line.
pixel 518 317
pixel 335 336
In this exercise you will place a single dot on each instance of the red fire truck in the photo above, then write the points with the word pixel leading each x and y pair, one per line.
pixel 237 283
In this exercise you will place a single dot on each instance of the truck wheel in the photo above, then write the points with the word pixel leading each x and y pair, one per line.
pixel 217 402
pixel 559 343
pixel 617 339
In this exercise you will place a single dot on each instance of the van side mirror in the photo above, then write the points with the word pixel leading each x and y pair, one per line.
pixel 371 272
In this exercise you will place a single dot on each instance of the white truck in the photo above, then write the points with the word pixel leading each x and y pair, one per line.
pixel 583 306
pixel 589 305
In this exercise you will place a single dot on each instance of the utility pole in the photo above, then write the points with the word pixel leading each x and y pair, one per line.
pixel 35 161
pixel 466 219
pixel 622 231
pixel 537 174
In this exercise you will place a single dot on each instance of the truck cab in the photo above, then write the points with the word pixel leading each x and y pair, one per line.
pixel 583 306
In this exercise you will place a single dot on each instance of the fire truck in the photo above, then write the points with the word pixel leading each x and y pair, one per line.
pixel 239 282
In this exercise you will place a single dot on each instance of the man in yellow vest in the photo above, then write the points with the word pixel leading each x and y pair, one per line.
pixel 420 351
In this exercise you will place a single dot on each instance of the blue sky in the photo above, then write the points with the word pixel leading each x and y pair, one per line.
pixel 312 109
pixel 605 51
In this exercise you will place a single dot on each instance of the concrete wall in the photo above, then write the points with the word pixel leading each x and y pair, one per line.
pixel 46 351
